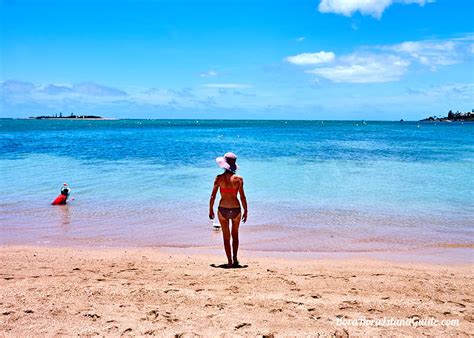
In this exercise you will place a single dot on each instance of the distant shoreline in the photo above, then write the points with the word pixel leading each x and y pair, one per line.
pixel 72 118
pixel 452 117
pixel 210 119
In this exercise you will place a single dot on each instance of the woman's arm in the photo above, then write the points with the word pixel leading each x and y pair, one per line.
pixel 244 200
pixel 213 198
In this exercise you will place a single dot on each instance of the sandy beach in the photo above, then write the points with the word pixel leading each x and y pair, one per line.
pixel 142 291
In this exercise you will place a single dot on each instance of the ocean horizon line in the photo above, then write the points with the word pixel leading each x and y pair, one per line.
pixel 210 119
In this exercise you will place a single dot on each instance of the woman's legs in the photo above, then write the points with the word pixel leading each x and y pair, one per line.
pixel 226 234
pixel 235 237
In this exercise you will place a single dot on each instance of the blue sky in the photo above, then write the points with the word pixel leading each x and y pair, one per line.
pixel 318 59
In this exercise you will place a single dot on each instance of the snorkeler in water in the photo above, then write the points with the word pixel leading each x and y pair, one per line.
pixel 63 196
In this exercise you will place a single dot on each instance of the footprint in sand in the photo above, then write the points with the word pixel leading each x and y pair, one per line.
pixel 341 334
pixel 415 318
pixel 171 290
pixel 127 331
pixel 234 289
pixel 345 307
pixel 152 315
pixel 240 326
pixel 94 316
pixel 469 318
pixel 184 334
pixel 456 303
pixel 112 328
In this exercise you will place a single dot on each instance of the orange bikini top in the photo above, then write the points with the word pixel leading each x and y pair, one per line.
pixel 229 190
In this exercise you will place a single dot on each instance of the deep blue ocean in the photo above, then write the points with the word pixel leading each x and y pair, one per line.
pixel 319 186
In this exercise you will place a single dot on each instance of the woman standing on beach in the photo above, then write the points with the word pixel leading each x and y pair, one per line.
pixel 229 206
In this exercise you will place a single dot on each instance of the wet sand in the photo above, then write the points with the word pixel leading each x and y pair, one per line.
pixel 140 291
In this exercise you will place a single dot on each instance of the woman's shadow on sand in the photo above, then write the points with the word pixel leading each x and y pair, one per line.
pixel 225 266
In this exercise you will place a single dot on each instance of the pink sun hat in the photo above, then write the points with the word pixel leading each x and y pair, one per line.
pixel 222 161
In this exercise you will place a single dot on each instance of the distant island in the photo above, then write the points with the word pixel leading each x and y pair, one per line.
pixel 69 117
pixel 452 117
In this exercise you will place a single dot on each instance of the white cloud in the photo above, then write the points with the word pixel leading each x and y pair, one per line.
pixel 209 73
pixel 226 85
pixel 387 62
pixel 374 8
pixel 14 87
pixel 300 39
pixel 94 89
pixel 460 91
pixel 431 53
pixel 84 89
pixel 371 68
pixel 311 58
pixel 56 89
pixel 14 93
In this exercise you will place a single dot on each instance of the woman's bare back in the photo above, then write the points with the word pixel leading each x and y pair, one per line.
pixel 229 185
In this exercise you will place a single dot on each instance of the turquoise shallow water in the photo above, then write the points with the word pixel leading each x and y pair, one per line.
pixel 319 186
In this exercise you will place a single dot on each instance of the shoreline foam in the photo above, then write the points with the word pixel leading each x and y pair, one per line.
pixel 439 254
